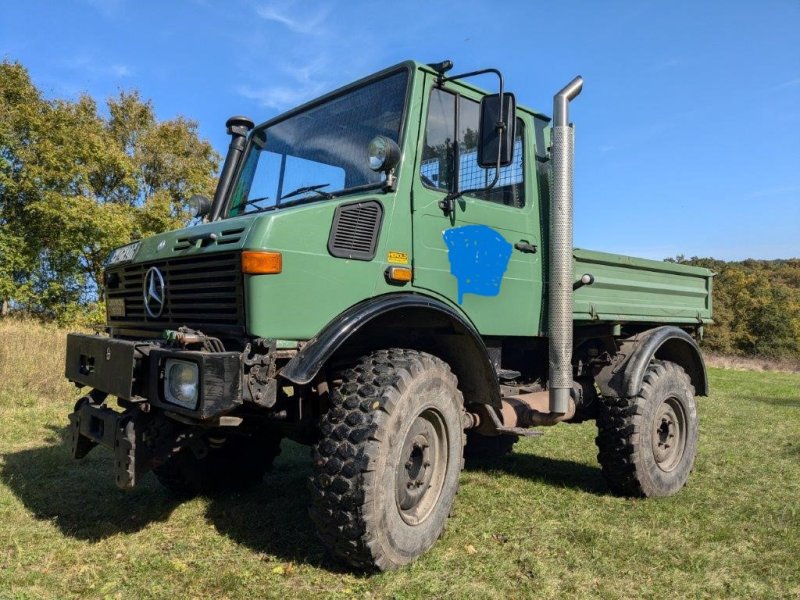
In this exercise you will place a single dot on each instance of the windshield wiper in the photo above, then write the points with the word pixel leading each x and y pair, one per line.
pixel 317 189
pixel 253 201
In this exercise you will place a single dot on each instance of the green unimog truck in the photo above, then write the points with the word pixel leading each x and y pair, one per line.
pixel 387 275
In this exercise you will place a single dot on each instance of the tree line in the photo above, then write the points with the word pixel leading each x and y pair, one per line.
pixel 756 307
pixel 78 179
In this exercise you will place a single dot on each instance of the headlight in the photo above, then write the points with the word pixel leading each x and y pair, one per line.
pixel 182 383
pixel 383 154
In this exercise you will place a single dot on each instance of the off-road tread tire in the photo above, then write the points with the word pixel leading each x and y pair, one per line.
pixel 623 443
pixel 240 463
pixel 353 439
pixel 488 447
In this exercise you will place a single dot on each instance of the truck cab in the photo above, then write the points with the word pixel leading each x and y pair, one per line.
pixel 386 273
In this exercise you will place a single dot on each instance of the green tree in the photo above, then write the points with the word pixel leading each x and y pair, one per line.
pixel 76 183
pixel 756 307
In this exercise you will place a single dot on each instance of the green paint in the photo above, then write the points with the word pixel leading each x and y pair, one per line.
pixel 315 287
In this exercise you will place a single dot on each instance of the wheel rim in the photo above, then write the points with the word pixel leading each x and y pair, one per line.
pixel 422 466
pixel 669 434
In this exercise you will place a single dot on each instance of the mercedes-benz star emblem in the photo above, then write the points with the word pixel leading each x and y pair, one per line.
pixel 154 289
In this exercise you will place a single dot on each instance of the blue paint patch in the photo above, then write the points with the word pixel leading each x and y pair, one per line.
pixel 478 259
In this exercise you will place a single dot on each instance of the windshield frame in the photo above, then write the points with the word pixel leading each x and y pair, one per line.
pixel 408 67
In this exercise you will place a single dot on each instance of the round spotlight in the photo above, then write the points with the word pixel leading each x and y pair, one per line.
pixel 384 154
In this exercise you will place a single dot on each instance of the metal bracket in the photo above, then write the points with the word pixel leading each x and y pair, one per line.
pixel 511 430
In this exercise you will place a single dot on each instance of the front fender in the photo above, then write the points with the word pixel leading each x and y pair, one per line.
pixel 461 346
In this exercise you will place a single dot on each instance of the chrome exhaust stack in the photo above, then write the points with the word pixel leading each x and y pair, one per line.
pixel 560 284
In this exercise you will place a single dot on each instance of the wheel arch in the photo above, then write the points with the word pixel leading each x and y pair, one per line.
pixel 403 320
pixel 624 376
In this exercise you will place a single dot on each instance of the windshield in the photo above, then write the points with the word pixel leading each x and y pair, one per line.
pixel 320 152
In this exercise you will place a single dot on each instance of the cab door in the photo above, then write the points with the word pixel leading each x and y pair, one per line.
pixel 485 255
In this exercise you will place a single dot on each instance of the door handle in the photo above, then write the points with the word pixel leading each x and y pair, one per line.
pixel 524 246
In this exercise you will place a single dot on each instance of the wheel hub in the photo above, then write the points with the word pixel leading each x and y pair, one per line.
pixel 419 473
pixel 669 437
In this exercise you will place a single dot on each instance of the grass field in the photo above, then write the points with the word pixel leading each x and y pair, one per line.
pixel 538 524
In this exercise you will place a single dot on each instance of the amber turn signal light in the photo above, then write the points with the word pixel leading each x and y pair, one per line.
pixel 398 274
pixel 261 263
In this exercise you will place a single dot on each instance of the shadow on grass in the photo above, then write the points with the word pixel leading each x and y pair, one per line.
pixel 80 498
pixel 273 517
pixel 549 471
pixel 783 402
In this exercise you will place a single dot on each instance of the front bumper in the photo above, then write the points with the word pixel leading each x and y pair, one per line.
pixel 134 371
pixel 151 429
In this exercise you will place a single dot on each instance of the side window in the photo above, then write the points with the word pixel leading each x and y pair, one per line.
pixel 436 169
pixel 444 147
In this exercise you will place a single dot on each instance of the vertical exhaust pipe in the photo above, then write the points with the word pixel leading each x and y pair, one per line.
pixel 560 285
pixel 238 128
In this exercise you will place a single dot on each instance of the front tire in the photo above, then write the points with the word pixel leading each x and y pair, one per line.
pixel 647 444
pixel 387 465
pixel 230 463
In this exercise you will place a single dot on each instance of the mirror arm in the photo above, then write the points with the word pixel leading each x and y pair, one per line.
pixel 447 204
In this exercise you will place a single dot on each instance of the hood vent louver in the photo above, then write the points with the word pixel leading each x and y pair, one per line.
pixel 355 229
pixel 223 238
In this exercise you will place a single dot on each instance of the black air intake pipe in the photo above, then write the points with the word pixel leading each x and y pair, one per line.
pixel 238 128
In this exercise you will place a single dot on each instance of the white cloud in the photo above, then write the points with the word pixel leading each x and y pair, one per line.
pixel 108 8
pixel 784 85
pixel 278 96
pixel 94 68
pixel 775 191
pixel 301 20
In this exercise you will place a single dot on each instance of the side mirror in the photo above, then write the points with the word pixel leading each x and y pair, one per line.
pixel 200 205
pixel 496 144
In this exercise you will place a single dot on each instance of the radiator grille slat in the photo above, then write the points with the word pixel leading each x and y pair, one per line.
pixel 200 290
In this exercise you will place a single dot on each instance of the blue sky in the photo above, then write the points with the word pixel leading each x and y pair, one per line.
pixel 687 132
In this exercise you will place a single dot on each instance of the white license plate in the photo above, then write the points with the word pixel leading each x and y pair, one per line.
pixel 116 307
pixel 123 254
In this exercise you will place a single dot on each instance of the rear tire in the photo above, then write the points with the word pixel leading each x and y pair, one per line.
pixel 387 465
pixel 232 462
pixel 647 444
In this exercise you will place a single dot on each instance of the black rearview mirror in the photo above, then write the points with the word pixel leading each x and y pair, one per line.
pixel 496 143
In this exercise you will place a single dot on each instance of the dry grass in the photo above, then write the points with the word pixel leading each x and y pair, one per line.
pixel 540 523
pixel 744 363
pixel 32 360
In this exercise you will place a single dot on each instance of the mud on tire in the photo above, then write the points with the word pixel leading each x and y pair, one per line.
pixel 647 444
pixel 386 469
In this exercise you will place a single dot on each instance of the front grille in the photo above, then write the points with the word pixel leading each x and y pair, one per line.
pixel 199 291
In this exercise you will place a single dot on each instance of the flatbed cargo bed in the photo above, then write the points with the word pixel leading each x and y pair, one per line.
pixel 627 289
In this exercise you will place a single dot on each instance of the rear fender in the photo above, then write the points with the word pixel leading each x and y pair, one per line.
pixel 623 378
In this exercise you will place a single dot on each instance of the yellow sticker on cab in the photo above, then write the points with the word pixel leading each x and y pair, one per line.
pixel 398 258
